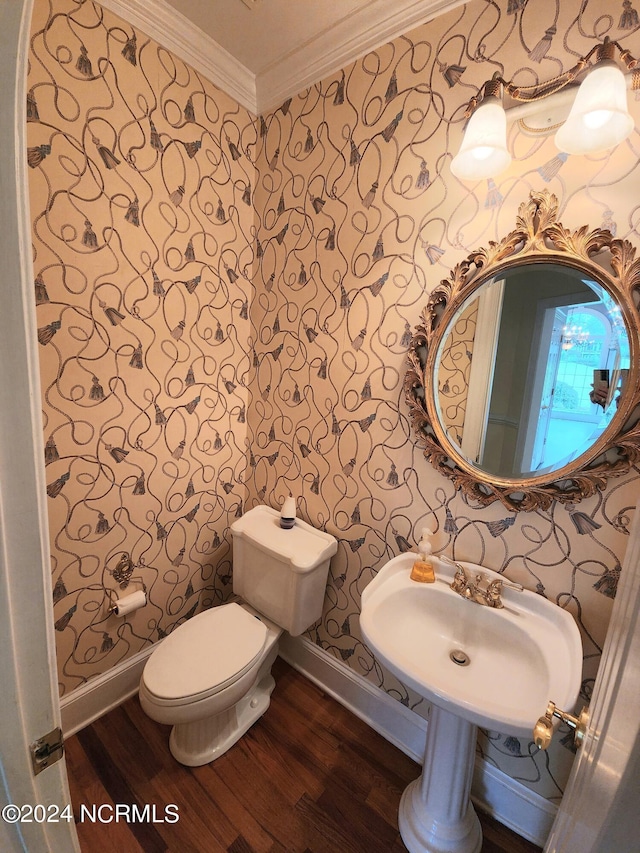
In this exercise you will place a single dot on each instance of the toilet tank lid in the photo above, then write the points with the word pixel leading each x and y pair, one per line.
pixel 303 545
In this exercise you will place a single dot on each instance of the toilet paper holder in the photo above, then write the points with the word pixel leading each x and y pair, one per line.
pixel 122 574
pixel 123 570
pixel 128 603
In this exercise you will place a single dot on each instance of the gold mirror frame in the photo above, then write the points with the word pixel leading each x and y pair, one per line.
pixel 538 238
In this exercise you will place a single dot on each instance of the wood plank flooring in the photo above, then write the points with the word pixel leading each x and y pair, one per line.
pixel 308 777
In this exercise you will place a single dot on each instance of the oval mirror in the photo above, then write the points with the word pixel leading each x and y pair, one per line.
pixel 523 376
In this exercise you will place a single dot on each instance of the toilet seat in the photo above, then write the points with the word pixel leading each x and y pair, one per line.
pixel 204 655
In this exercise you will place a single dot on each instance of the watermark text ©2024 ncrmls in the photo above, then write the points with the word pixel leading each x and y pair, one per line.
pixel 104 813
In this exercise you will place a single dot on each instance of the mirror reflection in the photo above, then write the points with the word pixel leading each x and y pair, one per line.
pixel 529 371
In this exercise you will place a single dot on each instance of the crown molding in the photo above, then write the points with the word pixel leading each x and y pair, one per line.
pixel 364 30
pixel 336 47
pixel 172 30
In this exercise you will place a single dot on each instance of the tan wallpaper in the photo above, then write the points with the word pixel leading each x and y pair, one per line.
pixel 144 241
pixel 225 313
pixel 360 218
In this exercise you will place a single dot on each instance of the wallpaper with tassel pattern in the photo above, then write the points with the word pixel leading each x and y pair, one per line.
pixel 144 243
pixel 225 305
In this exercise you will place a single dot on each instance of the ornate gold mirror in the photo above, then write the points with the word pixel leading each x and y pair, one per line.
pixel 524 371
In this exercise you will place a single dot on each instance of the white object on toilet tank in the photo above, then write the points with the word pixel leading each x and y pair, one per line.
pixel 282 573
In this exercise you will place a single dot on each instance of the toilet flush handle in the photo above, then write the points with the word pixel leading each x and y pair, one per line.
pixel 543 729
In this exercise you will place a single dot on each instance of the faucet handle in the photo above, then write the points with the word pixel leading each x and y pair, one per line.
pixel 492 594
pixel 461 580
pixel 460 572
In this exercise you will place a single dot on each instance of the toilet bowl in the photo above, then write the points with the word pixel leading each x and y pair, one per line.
pixel 211 677
pixel 211 680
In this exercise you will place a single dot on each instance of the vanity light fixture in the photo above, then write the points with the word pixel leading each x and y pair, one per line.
pixel 598 120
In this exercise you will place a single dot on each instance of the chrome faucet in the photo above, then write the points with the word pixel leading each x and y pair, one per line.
pixel 479 587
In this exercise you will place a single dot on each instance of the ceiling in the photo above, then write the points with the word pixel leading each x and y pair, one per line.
pixel 263 51
pixel 262 33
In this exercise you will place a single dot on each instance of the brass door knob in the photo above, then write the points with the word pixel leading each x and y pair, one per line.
pixel 543 729
pixel 543 732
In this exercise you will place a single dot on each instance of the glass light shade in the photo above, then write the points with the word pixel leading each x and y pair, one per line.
pixel 599 118
pixel 483 153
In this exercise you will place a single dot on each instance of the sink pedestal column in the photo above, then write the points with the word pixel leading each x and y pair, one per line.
pixel 436 814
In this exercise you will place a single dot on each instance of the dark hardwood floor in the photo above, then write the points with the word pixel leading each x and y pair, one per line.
pixel 308 777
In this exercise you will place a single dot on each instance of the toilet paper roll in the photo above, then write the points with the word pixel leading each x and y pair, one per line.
pixel 131 602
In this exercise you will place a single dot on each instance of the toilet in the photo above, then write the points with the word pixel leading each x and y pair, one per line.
pixel 211 678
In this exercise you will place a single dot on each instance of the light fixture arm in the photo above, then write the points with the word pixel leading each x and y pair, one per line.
pixel 603 50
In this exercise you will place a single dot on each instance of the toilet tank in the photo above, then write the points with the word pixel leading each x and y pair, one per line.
pixel 282 573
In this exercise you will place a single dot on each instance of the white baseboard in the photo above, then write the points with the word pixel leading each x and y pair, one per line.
pixel 505 799
pixel 102 693
pixel 395 722
pixel 512 803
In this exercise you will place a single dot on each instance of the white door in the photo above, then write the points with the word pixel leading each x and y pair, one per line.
pixel 29 705
pixel 600 807
pixel 546 400
pixel 485 347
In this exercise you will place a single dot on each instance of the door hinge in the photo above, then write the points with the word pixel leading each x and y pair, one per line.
pixel 46 750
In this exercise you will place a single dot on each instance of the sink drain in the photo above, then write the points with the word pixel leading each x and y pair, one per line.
pixel 459 657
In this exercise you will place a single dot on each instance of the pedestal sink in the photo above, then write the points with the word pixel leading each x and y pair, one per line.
pixel 477 666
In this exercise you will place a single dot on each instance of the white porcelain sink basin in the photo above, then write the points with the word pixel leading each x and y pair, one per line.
pixel 516 659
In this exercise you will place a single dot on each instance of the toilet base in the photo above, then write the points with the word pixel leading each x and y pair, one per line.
pixel 202 741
